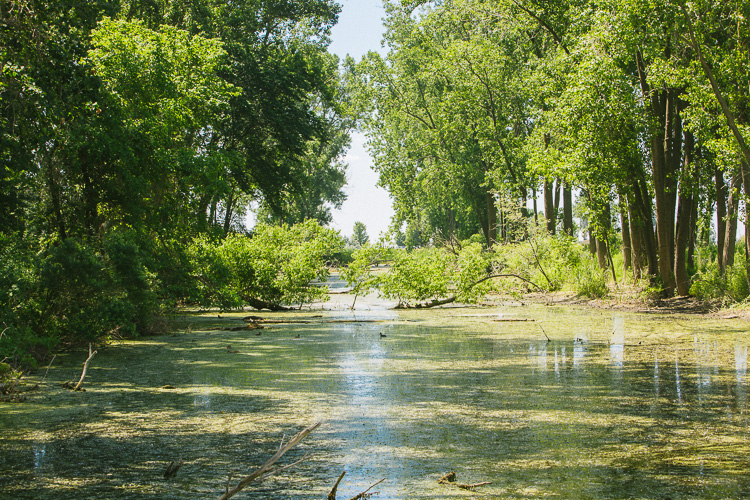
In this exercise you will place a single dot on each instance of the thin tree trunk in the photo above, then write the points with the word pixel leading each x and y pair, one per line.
pixel 601 252
pixel 730 238
pixel 592 241
pixel 491 220
pixel 721 216
pixel 549 207
pixel 685 207
pixel 567 209
pixel 627 261
pixel 746 183
pixel 693 237
pixel 636 240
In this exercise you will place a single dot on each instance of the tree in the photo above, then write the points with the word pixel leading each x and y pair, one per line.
pixel 359 236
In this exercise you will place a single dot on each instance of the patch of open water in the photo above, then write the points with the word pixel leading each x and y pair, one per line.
pixel 613 406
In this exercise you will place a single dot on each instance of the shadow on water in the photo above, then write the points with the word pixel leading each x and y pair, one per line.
pixel 613 406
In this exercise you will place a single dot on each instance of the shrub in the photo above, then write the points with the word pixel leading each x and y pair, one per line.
pixel 589 280
pixel 275 266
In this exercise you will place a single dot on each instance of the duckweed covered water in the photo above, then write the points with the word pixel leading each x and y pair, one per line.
pixel 613 406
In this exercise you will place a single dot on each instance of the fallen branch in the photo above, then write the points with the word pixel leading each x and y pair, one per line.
pixel 364 494
pixel 265 468
pixel 450 478
pixel 48 367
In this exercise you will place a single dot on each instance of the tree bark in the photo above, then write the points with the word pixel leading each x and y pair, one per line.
pixel 592 241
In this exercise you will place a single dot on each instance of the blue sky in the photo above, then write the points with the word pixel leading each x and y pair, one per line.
pixel 358 31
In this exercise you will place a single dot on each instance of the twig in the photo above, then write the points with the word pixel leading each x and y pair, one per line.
pixel 229 479
pixel 266 466
pixel 364 494
pixel 332 494
pixel 545 333
pixel 48 367
pixel 276 471
pixel 85 368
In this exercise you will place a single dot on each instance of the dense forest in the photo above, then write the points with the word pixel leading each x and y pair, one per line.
pixel 640 106
pixel 135 134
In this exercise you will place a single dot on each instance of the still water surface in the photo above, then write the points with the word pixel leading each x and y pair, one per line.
pixel 615 405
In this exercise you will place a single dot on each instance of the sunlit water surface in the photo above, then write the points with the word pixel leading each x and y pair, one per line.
pixel 613 406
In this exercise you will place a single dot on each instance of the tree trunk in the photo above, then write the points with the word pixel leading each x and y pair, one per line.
pixel 685 208
pixel 549 207
pixel 601 252
pixel 491 220
pixel 746 183
pixel 721 216
pixel 662 110
pixel 733 203
pixel 636 240
pixel 592 241
pixel 692 242
pixel 228 212
pixel 567 209
pixel 627 260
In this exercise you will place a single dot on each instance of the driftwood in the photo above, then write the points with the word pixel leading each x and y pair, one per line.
pixel 265 469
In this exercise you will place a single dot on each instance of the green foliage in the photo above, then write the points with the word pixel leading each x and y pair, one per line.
pixel 274 267
pixel 423 274
pixel 731 287
pixel 589 280
pixel 358 273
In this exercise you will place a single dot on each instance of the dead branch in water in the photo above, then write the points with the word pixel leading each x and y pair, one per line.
pixel 365 493
pixel 332 494
pixel 450 478
pixel 267 466
pixel 78 386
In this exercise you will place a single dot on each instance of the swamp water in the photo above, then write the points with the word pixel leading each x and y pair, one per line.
pixel 615 405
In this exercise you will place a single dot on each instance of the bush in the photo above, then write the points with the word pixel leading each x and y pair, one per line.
pixel 589 280
pixel 710 284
